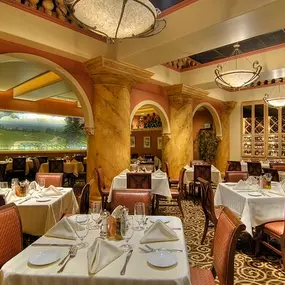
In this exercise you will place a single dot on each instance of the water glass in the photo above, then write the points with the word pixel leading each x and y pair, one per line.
pixel 139 213
pixel 96 208
pixel 127 231
pixel 14 182
pixel 4 186
pixel 82 229
pixel 41 182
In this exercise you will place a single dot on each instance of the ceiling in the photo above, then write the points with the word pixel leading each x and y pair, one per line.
pixel 164 4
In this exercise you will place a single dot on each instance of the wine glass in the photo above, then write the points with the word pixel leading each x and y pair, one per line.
pixel 139 212
pixel 96 208
pixel 41 182
pixel 14 182
pixel 127 231
pixel 81 229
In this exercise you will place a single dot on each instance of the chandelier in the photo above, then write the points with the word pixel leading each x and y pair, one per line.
pixel 275 101
pixel 116 19
pixel 237 78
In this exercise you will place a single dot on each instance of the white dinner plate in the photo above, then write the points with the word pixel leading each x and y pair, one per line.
pixel 44 257
pixel 43 199
pixel 162 259
pixel 163 219
pixel 255 194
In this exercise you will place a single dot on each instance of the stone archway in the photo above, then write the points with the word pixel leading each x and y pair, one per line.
pixel 76 87
pixel 161 112
pixel 215 115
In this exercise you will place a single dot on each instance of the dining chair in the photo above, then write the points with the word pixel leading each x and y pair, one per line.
pixel 234 165
pixel 84 199
pixel 19 167
pixel 274 173
pixel 138 180
pixel 79 158
pixel 228 230
pixel 54 179
pixel 279 167
pixel 55 165
pixel 235 176
pixel 211 212
pixel 3 166
pixel 103 190
pixel 254 168
pixel 176 194
pixel 42 159
pixel 129 197
pixel 2 200
pixel 202 171
pixel 11 238
pixel 172 181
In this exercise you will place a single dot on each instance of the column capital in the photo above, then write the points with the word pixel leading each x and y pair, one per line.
pixel 186 91
pixel 107 71
pixel 229 106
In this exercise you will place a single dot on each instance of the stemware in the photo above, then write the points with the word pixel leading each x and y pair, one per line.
pixel 127 231
pixel 139 212
pixel 41 182
pixel 96 208
pixel 82 229
pixel 14 182
pixel 4 186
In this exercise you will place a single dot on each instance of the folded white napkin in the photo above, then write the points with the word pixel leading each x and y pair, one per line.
pixel 241 185
pixel 159 173
pixel 159 232
pixel 64 229
pixel 51 191
pixel 283 184
pixel 34 186
pixel 100 254
pixel 11 197
pixel 10 159
pixel 125 171
pixel 251 180
pixel 117 211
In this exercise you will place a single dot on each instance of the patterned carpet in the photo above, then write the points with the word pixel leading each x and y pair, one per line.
pixel 264 270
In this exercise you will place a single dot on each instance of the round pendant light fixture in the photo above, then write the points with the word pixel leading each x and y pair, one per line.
pixel 116 19
pixel 276 101
pixel 236 78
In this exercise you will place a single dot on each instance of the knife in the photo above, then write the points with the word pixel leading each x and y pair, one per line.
pixel 52 244
pixel 123 271
pixel 21 202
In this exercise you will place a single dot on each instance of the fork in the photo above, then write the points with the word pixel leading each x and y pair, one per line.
pixel 158 249
pixel 70 249
pixel 72 254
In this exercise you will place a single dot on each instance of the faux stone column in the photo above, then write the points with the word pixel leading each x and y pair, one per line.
pixel 110 145
pixel 178 149
pixel 223 151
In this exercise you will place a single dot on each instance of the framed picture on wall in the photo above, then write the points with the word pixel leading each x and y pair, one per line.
pixel 133 141
pixel 146 142
pixel 159 142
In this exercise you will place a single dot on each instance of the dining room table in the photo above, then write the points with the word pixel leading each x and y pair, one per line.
pixel 159 184
pixel 140 269
pixel 254 205
pixel 189 174
pixel 39 213
pixel 74 167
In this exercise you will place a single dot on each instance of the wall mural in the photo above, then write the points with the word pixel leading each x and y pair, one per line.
pixel 31 131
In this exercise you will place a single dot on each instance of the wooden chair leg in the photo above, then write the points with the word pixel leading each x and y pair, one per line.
pixel 205 229
pixel 282 243
pixel 180 206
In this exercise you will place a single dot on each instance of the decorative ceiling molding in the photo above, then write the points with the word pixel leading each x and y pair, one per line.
pixel 181 63
pixel 182 89
pixel 176 7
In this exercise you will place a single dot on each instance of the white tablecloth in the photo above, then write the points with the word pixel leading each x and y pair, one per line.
pixel 17 271
pixel 29 166
pixel 68 167
pixel 159 186
pixel 189 175
pixel 38 217
pixel 253 211
pixel 244 165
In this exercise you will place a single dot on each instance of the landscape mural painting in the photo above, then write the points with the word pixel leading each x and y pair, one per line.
pixel 31 131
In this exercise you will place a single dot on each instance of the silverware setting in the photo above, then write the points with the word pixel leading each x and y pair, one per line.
pixel 52 244
pixel 149 249
pixel 26 199
pixel 72 254
pixel 123 271
pixel 68 254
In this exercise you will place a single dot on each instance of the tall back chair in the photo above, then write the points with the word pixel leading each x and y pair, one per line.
pixel 84 199
pixel 11 241
pixel 42 159
pixel 3 166
pixel 274 173
pixel 202 171
pixel 130 197
pixel 19 167
pixel 54 179
pixel 79 158
pixel 235 176
pixel 139 180
pixel 279 167
pixel 228 230
pixel 254 168
pixel 103 190
pixel 234 166
pixel 172 181
pixel 2 200
pixel 55 166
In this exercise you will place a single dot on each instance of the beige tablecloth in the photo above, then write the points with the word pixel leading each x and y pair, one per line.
pixel 29 166
pixel 159 186
pixel 138 272
pixel 189 175
pixel 68 167
pixel 38 217
pixel 253 211
pixel 244 165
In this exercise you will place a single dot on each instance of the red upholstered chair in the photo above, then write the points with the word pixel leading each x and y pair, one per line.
pixel 202 171
pixel 103 190
pixel 254 168
pixel 235 176
pixel 11 241
pixel 2 200
pixel 228 230
pixel 274 173
pixel 207 200
pixel 139 180
pixel 234 166
pixel 129 197
pixel 54 179
pixel 172 181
